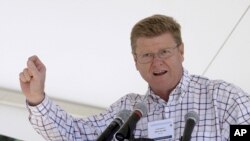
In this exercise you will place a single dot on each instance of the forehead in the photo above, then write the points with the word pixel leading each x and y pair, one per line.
pixel 154 43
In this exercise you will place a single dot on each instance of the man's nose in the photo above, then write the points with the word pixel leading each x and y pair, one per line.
pixel 157 59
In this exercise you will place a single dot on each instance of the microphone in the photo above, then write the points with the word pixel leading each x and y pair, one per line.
pixel 125 132
pixel 108 133
pixel 191 119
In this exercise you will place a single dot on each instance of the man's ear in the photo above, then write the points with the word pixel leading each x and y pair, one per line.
pixel 181 50
pixel 135 60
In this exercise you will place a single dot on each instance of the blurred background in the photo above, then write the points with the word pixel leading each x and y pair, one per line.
pixel 86 48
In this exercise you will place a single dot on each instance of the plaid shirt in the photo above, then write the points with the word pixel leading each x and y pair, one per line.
pixel 218 104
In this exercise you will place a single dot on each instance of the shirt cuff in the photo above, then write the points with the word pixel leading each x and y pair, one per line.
pixel 40 109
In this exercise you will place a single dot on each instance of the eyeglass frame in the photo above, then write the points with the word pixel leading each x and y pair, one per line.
pixel 152 55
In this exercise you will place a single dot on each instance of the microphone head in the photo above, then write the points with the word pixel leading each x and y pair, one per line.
pixel 192 115
pixel 123 115
pixel 141 107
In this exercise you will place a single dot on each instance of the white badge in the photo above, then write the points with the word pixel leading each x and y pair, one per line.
pixel 161 130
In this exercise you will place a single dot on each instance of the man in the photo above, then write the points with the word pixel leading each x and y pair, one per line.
pixel 158 52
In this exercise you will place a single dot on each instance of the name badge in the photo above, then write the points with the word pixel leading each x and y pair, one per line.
pixel 161 130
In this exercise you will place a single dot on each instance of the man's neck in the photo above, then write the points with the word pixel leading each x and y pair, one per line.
pixel 163 94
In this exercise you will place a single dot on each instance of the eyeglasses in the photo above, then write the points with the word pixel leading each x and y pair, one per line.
pixel 162 54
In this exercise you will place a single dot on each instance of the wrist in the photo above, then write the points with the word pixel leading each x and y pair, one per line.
pixel 36 100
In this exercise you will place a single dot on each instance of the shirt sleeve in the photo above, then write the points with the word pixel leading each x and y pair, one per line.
pixel 237 109
pixel 54 124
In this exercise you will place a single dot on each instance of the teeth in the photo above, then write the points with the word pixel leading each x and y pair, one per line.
pixel 159 72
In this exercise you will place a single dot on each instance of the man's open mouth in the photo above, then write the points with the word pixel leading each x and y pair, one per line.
pixel 159 73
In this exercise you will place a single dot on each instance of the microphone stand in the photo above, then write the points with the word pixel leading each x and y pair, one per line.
pixel 131 137
pixel 143 139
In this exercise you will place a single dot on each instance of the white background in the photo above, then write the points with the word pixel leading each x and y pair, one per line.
pixel 86 48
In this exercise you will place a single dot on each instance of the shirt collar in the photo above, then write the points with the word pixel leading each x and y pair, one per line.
pixel 184 82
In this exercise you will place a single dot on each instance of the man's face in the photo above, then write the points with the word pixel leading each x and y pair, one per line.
pixel 164 71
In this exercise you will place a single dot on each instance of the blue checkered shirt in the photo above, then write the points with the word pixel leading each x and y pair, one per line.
pixel 219 104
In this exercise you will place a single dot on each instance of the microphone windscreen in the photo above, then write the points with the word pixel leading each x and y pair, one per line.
pixel 123 115
pixel 192 115
pixel 141 107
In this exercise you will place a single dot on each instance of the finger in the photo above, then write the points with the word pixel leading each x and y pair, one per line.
pixel 32 68
pixel 27 74
pixel 22 77
pixel 38 63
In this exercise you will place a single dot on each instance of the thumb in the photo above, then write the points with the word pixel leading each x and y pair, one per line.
pixel 32 68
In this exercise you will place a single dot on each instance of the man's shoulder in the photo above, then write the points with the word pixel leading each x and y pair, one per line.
pixel 127 101
pixel 215 84
pixel 203 80
pixel 133 96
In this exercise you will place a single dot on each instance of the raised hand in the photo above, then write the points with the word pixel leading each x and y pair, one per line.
pixel 32 80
